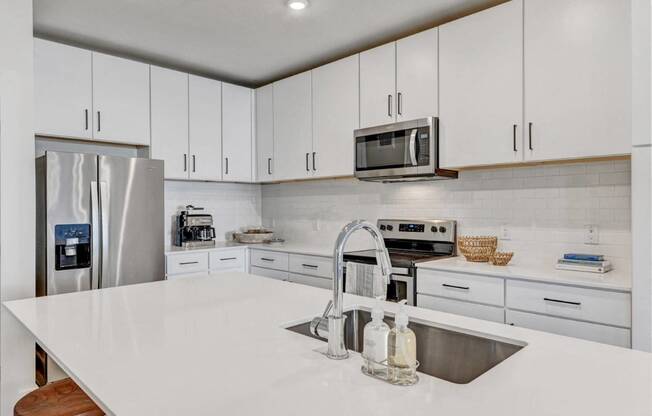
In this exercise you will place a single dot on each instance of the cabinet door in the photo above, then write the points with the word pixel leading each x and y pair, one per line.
pixel 236 133
pixel 378 85
pixel 170 121
pixel 63 90
pixel 416 76
pixel 293 127
pixel 577 78
pixel 334 116
pixel 480 88
pixel 205 128
pixel 265 133
pixel 120 100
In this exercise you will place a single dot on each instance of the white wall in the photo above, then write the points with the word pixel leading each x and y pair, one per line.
pixel 233 206
pixel 544 207
pixel 16 195
pixel 641 175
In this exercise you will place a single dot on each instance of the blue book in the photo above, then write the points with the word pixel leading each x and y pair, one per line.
pixel 585 257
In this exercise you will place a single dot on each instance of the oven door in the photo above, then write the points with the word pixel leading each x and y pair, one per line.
pixel 406 148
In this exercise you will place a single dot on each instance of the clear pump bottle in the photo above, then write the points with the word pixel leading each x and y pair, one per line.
pixel 375 338
pixel 402 350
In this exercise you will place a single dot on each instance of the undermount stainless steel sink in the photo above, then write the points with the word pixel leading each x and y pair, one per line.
pixel 450 355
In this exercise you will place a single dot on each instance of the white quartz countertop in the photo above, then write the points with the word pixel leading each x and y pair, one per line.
pixel 217 345
pixel 614 280
pixel 295 248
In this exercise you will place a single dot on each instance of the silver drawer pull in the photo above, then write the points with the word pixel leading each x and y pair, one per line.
pixel 455 287
pixel 228 258
pixel 565 302
pixel 185 263
pixel 310 266
pixel 266 259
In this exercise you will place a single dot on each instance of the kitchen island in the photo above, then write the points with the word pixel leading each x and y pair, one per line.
pixel 218 345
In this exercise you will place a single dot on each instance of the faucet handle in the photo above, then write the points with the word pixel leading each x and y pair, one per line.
pixel 329 306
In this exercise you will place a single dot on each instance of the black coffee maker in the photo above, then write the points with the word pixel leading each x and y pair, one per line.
pixel 194 229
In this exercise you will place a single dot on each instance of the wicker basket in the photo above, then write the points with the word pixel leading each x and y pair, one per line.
pixel 501 258
pixel 477 249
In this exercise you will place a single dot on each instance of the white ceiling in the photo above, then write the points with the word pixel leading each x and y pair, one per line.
pixel 249 42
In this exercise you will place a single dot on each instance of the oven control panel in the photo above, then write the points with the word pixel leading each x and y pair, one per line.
pixel 428 230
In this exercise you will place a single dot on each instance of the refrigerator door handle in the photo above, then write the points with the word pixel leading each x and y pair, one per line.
pixel 95 237
pixel 104 209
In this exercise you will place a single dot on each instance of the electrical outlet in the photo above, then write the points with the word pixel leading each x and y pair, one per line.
pixel 505 232
pixel 591 234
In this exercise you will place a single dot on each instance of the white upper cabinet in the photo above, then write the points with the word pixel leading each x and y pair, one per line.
pixel 205 129
pixel 120 100
pixel 293 127
pixel 265 133
pixel 577 78
pixel 480 88
pixel 378 85
pixel 237 133
pixel 416 76
pixel 169 106
pixel 334 117
pixel 63 90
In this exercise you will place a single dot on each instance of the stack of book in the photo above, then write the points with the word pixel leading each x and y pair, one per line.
pixel 594 263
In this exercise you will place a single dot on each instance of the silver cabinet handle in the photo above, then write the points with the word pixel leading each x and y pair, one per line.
pixel 399 103
pixel 269 165
pixel 310 266
pixel 307 165
pixel 185 263
pixel 99 121
pixel 86 118
pixel 389 105
pixel 266 259
pixel 514 138
pixel 193 163
pixel 185 162
pixel 226 159
pixel 530 135
pixel 314 156
pixel 565 302
pixel 455 286
pixel 228 258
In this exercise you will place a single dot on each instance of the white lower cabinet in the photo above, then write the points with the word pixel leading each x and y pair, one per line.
pixel 227 260
pixel 274 274
pixel 479 289
pixel 314 281
pixel 311 265
pixel 474 310
pixel 269 259
pixel 211 261
pixel 585 330
pixel 185 263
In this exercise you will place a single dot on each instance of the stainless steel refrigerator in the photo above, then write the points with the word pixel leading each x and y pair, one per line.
pixel 99 224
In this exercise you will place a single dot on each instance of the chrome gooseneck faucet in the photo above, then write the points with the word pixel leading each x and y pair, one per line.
pixel 335 333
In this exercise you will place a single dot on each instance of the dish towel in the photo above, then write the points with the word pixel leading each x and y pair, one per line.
pixel 365 280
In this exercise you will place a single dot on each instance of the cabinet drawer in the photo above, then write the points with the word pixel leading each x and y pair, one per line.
pixel 481 289
pixel 187 263
pixel 227 259
pixel 311 265
pixel 269 259
pixel 458 307
pixel 274 274
pixel 612 308
pixel 311 281
pixel 592 332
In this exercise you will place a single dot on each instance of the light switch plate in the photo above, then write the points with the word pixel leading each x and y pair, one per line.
pixel 591 234
pixel 505 232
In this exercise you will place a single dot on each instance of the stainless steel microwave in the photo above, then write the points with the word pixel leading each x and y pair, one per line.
pixel 400 152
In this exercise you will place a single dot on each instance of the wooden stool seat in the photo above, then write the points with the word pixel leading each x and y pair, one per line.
pixel 60 398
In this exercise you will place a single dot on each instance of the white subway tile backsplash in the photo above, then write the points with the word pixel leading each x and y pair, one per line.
pixel 546 207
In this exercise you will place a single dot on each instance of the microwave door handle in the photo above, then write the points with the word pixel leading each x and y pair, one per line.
pixel 95 237
pixel 413 147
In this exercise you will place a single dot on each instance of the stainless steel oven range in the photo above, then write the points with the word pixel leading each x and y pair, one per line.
pixel 409 242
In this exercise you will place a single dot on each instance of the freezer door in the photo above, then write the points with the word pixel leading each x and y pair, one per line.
pixel 63 195
pixel 131 202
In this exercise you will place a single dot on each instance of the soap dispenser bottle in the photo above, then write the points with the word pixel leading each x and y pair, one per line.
pixel 402 350
pixel 375 337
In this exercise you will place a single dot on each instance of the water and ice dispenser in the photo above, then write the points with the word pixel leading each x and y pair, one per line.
pixel 72 246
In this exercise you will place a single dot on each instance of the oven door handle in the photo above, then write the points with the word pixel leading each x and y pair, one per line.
pixel 413 147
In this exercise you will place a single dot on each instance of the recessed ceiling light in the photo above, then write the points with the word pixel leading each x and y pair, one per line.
pixel 297 4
